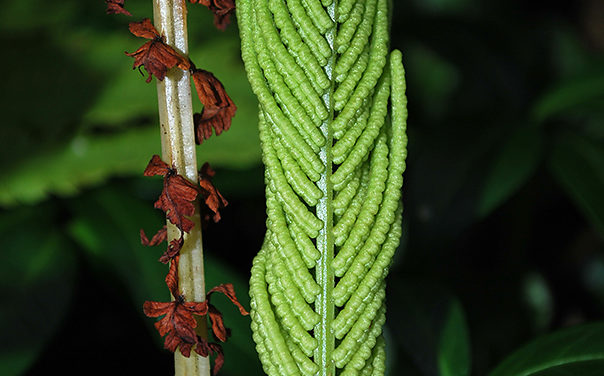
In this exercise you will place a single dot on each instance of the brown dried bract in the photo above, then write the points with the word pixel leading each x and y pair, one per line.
pixel 218 108
pixel 158 238
pixel 116 7
pixel 222 10
pixel 229 291
pixel 174 246
pixel 155 55
pixel 178 323
pixel 178 196
pixel 205 348
pixel 213 199
pixel 177 200
pixel 220 331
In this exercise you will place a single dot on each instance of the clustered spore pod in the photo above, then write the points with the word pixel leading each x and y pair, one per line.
pixel 332 120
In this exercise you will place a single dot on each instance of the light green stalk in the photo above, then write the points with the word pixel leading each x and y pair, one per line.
pixel 324 305
pixel 178 149
pixel 332 121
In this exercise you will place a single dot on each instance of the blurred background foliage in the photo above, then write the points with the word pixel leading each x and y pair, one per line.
pixel 504 191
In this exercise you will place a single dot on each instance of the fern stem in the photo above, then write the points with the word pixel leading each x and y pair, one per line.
pixel 324 305
pixel 178 149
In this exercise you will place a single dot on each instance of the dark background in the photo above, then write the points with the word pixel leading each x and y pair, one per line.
pixel 503 193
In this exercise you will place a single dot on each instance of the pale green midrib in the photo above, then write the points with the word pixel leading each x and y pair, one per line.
pixel 324 304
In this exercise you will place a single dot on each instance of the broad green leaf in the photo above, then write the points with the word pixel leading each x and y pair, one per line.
pixel 443 213
pixel 570 54
pixel 25 15
pixel 434 77
pixel 578 166
pixel 106 225
pixel 36 285
pixel 88 160
pixel 40 110
pixel 454 346
pixel 430 327
pixel 16 362
pixel 539 301
pixel 513 166
pixel 574 351
pixel 573 96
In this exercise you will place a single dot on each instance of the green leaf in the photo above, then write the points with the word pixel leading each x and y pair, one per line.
pixel 88 160
pixel 454 346
pixel 573 96
pixel 40 109
pixel 575 351
pixel 513 166
pixel 434 77
pixel 36 284
pixel 111 238
pixel 430 325
pixel 538 298
pixel 578 166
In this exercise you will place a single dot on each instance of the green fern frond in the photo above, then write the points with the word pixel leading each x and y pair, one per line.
pixel 332 120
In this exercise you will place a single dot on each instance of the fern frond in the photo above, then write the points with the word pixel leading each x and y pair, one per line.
pixel 332 120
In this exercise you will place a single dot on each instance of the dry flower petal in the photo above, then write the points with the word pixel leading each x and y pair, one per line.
pixel 177 200
pixel 155 55
pixel 218 328
pixel 158 238
pixel 222 10
pixel 213 199
pixel 218 108
pixel 116 7
pixel 178 196
pixel 178 323
pixel 229 291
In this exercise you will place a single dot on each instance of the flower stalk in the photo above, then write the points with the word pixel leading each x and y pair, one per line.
pixel 178 149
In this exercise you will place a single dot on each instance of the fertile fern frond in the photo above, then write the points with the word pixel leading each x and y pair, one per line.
pixel 332 120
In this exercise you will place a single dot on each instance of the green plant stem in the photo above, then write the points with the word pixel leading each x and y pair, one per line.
pixel 178 149
pixel 325 243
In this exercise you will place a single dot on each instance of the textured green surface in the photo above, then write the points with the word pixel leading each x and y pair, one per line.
pixel 332 128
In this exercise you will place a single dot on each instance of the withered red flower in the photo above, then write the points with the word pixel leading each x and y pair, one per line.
pixel 174 246
pixel 229 291
pixel 155 55
pixel 222 10
pixel 214 201
pixel 205 348
pixel 158 238
pixel 178 323
pixel 220 331
pixel 218 108
pixel 116 7
pixel 178 195
pixel 177 200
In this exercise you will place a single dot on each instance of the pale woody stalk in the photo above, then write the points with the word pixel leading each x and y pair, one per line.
pixel 178 150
